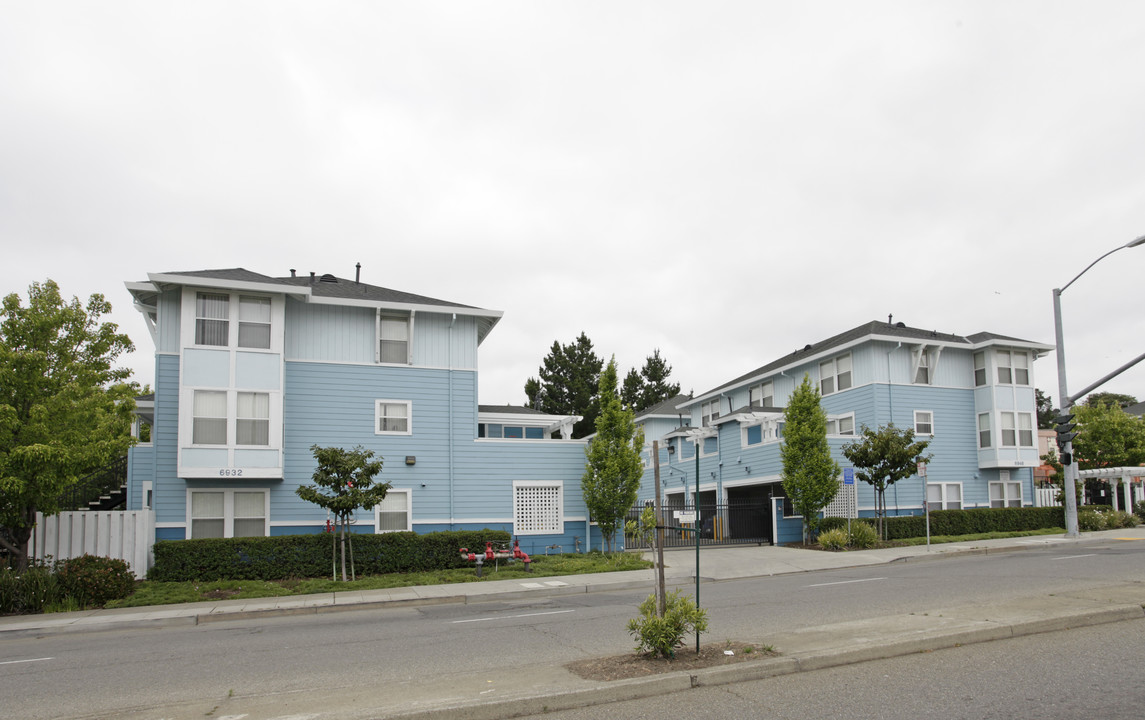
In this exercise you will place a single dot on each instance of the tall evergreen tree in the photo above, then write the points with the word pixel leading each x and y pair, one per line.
pixel 568 383
pixel 655 373
pixel 613 466
pixel 810 476
pixel 632 392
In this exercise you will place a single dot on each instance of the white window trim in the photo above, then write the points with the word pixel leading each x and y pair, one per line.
pixel 943 492
pixel 560 522
pixel 981 354
pixel 229 508
pixel 766 392
pixel 702 441
pixel 743 434
pixel 834 374
pixel 408 319
pixel 1005 483
pixel 189 315
pixel 709 411
pixel 989 430
pixel 378 417
pixel 931 422
pixel 836 419
pixel 1002 429
pixel 186 426
pixel 408 492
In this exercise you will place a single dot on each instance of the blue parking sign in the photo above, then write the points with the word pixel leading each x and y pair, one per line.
pixel 848 476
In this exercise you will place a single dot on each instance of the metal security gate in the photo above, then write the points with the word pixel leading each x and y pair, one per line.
pixel 736 522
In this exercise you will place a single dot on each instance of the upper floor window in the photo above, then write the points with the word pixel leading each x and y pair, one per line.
pixel 1013 367
pixel 212 313
pixel 979 369
pixel 984 430
pixel 753 435
pixel 392 417
pixel 254 322
pixel 923 422
pixel 209 417
pixel 843 425
pixel 709 411
pixel 252 419
pixel 1009 430
pixel 393 340
pixel 1026 429
pixel 762 395
pixel 1021 368
pixel 498 431
pixel 835 375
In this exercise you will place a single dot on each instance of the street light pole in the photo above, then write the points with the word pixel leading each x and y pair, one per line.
pixel 1069 470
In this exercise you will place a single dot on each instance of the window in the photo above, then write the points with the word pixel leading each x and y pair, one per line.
pixel 534 433
pixel 984 430
pixel 254 322
pixel 762 395
pixel 923 422
pixel 842 425
pixel 979 369
pixel 392 417
pixel 211 319
pixel 1009 431
pixel 835 375
pixel 754 435
pixel 922 375
pixel 209 418
pixel 944 496
pixel 1026 429
pixel 709 411
pixel 252 426
pixel 393 340
pixel 711 446
pixel 393 513
pixel 228 513
pixel 1021 368
pixel 687 449
pixel 1005 493
pixel 537 508
pixel 1005 370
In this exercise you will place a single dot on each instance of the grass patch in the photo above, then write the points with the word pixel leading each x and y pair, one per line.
pixel 939 539
pixel 169 593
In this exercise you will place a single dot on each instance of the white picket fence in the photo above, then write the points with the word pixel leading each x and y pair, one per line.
pixel 1045 497
pixel 126 535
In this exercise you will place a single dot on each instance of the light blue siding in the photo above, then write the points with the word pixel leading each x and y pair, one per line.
pixel 433 341
pixel 167 323
pixel 330 332
pixel 258 371
pixel 205 457
pixel 170 497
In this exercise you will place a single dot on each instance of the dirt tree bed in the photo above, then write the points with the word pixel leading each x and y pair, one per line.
pixel 622 667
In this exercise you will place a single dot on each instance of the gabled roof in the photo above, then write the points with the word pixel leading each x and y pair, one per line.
pixel 875 330
pixel 666 408
pixel 323 289
pixel 511 410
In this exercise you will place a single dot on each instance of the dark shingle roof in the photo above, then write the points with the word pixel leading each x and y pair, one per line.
pixel 509 410
pixel 667 407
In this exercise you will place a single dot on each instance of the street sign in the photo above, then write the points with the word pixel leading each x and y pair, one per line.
pixel 922 469
pixel 684 516
pixel 848 476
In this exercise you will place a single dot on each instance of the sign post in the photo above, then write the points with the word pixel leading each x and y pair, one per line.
pixel 849 479
pixel 925 504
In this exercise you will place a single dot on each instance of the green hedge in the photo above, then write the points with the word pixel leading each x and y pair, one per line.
pixel 963 522
pixel 309 556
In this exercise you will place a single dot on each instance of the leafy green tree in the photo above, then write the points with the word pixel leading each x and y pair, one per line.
pixel 1107 436
pixel 569 375
pixel 1110 399
pixel 650 386
pixel 65 410
pixel 1046 411
pixel 810 476
pixel 883 457
pixel 343 484
pixel 613 466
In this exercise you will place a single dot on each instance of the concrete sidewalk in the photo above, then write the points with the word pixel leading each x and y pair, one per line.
pixel 721 563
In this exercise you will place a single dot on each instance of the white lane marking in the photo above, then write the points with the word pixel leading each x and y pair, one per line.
pixel 511 617
pixel 846 582
pixel 17 662
pixel 1072 557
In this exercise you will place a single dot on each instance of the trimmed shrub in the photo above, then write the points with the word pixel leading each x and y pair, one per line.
pixel 662 635
pixel 963 522
pixel 1090 520
pixel 834 539
pixel 309 556
pixel 863 535
pixel 94 581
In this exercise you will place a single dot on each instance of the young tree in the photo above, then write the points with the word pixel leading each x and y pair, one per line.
pixel 810 476
pixel 568 383
pixel 1046 411
pixel 343 484
pixel 613 466
pixel 883 457
pixel 1107 436
pixel 65 410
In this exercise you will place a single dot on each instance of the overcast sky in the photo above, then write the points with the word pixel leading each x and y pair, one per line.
pixel 725 181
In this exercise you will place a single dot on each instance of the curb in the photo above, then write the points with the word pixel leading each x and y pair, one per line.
pixel 638 688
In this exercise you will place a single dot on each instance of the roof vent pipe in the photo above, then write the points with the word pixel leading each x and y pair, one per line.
pixel 357 272
pixel 292 272
pixel 311 277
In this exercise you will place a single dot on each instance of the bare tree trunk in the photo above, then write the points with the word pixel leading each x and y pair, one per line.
pixel 343 531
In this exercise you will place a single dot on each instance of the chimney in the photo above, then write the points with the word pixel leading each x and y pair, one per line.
pixel 293 272
pixel 357 272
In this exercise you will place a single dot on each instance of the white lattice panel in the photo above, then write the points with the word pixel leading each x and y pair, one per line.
pixel 537 509
pixel 845 504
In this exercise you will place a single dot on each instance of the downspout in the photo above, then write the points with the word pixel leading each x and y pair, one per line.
pixel 451 438
pixel 891 410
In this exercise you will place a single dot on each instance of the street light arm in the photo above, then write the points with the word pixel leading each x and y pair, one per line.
pixel 1132 243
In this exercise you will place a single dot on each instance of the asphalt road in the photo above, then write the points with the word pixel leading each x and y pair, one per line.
pixel 1089 673
pixel 359 654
